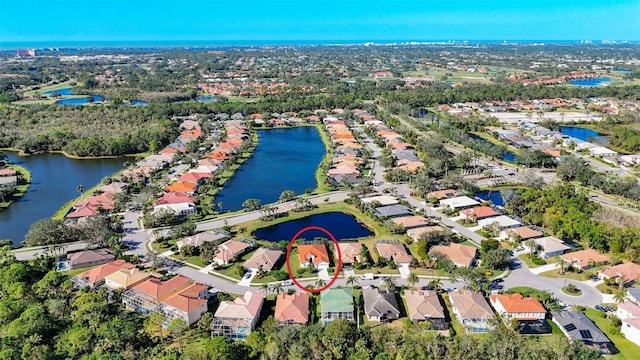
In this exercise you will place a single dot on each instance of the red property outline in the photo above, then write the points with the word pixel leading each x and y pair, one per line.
pixel 338 261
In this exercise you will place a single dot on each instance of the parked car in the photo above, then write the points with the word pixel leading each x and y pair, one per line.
pixel 367 276
pixel 595 278
pixel 247 275
pixel 610 308
pixel 287 283
pixel 600 308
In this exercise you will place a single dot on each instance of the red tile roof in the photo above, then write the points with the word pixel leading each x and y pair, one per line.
pixel 100 272
pixel 175 198
pixel 318 251
pixel 294 308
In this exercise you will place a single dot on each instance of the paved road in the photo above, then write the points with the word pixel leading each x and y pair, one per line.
pixel 57 250
pixel 522 276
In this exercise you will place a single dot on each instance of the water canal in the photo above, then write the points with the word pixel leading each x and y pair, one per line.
pixel 285 159
pixel 54 179
pixel 342 226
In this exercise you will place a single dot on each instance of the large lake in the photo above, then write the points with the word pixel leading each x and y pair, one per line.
pixel 341 225
pixel 54 179
pixel 285 159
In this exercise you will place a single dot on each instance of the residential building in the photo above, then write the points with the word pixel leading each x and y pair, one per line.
pixel 179 210
pixel 125 278
pixel 263 258
pixel 336 303
pixel 460 202
pixel 522 233
pixel 461 255
pixel 87 258
pixel 443 194
pixel 292 309
pixel 238 318
pixel 628 310
pixel 391 211
pixel 584 259
pixel 472 310
pixel 502 222
pixel 550 246
pixel 380 305
pixel 576 326
pixel 350 252
pixel 230 249
pixel 394 250
pixel 95 277
pixel 200 238
pixel 411 222
pixel 178 297
pixel 478 212
pixel 315 255
pixel 417 233
pixel 424 305
pixel 517 307
pixel 624 273
pixel 631 330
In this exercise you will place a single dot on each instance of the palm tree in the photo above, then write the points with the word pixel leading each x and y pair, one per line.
pixel 80 189
pixel 435 285
pixel 364 254
pixel 413 279
pixel 277 288
pixel 320 283
pixel 389 283
pixel 619 296
pixel 357 303
pixel 351 280
pixel 532 245
pixel 562 263
pixel 266 287
pixel 220 206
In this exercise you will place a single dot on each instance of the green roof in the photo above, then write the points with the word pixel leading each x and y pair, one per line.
pixel 337 300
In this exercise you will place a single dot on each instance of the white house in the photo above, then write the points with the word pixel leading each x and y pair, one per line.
pixel 460 202
pixel 550 246
pixel 503 221
pixel 179 209
pixel 631 330
pixel 602 151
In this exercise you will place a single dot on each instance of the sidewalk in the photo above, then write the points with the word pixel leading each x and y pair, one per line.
pixel 544 268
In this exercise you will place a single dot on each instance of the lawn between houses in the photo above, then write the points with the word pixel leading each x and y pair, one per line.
pixel 628 350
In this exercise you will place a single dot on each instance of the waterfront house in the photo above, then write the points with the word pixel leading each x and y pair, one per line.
pixel 125 278
pixel 315 255
pixel 230 249
pixel 263 258
pixel 380 200
pixel 350 252
pixel 550 246
pixel 472 310
pixel 238 318
pixel 478 213
pixel 95 277
pixel 442 194
pixel 502 222
pixel 393 250
pixel 460 255
pixel 178 210
pixel 411 222
pixel 623 273
pixel 576 326
pixel 86 258
pixel 424 305
pixel 188 188
pixel 114 188
pixel 175 198
pixel 292 309
pixel 336 303
pixel 380 305
pixel 178 297
pixel 391 211
pixel 460 202
pixel 517 307
pixel 584 259
pixel 8 177
pixel 203 237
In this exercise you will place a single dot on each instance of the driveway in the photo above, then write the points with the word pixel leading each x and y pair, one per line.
pixel 246 280
pixel 404 271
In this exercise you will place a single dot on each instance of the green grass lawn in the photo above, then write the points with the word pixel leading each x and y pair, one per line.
pixel 567 275
pixel 74 272
pixel 528 261
pixel 49 87
pixel 628 350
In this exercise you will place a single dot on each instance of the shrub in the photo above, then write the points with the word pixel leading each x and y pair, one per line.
pixel 280 275
pixel 301 271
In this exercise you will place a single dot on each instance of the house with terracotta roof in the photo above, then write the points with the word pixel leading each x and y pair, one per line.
pixel 410 222
pixel 442 194
pixel 264 258
pixel 313 254
pixel 178 297
pixel 350 252
pixel 380 305
pixel 625 272
pixel 238 318
pixel 517 307
pixel 114 187
pixel 394 250
pixel 86 258
pixel 424 305
pixel 195 177
pixel 522 233
pixel 292 309
pixel 336 303
pixel 184 187
pixel 95 277
pixel 230 249
pixel 125 278
pixel 175 198
pixel 460 255
pixel 584 259
pixel 478 212
pixel 472 310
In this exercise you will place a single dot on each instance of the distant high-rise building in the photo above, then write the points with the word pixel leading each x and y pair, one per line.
pixel 26 52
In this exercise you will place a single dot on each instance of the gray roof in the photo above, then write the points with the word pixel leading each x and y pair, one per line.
pixel 634 293
pixel 393 210
pixel 405 155
pixel 577 326
pixel 378 303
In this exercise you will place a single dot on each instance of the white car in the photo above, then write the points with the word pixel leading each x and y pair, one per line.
pixel 287 283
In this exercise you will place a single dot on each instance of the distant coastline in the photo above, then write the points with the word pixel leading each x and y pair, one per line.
pixel 97 44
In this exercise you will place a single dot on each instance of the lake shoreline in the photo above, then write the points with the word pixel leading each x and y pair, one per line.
pixel 21 190
pixel 70 156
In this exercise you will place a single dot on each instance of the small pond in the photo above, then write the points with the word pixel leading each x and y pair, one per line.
pixel 341 225
pixel 580 133
pixel 508 155
pixel 590 82
pixel 79 101
pixel 495 196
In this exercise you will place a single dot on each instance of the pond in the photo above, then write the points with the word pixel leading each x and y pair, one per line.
pixel 583 134
pixel 507 155
pixel 139 102
pixel 342 226
pixel 495 196
pixel 79 101
pixel 54 181
pixel 590 82
pixel 63 91
pixel 285 159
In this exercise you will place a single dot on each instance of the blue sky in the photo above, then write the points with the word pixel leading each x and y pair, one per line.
pixel 131 20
